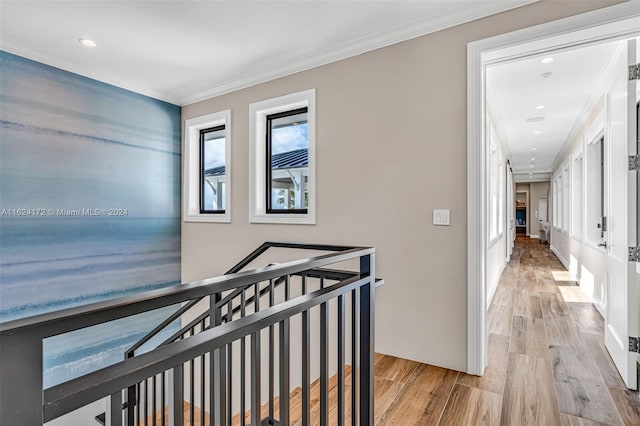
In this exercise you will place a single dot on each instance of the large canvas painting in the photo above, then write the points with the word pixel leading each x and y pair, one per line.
pixel 89 204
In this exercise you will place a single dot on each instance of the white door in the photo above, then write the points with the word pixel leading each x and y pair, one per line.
pixel 622 302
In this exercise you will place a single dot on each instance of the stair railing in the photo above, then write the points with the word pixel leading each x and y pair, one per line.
pixel 217 302
pixel 23 400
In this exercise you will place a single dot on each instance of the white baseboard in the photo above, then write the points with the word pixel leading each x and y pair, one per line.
pixel 559 256
pixel 497 281
pixel 599 305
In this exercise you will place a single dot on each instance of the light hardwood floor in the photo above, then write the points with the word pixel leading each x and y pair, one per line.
pixel 547 363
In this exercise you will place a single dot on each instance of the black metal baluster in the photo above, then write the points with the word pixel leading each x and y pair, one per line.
pixel 271 354
pixel 341 362
pixel 284 371
pixel 131 399
pixel 202 388
pixel 255 379
pixel 354 358
pixel 367 335
pixel 177 403
pixel 243 422
pixel 306 362
pixel 324 364
pixel 192 388
pixel 255 365
pixel 229 368
pixel 146 401
pixel 139 403
pixel 153 402
pixel 163 397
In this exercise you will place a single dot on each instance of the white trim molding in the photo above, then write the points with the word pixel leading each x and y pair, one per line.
pixel 257 173
pixel 611 23
pixel 317 58
pixel 191 168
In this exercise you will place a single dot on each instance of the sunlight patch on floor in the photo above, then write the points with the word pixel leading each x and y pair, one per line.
pixel 574 294
pixel 563 276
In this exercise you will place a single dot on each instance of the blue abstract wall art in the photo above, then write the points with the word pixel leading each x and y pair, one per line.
pixel 89 205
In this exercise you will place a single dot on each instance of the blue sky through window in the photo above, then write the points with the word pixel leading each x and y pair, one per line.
pixel 289 138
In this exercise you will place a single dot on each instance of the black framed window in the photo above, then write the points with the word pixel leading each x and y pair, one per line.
pixel 287 158
pixel 212 170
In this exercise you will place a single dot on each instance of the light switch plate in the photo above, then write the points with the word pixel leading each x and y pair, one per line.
pixel 441 217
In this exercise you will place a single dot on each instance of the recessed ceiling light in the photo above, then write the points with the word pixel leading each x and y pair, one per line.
pixel 534 149
pixel 531 166
pixel 533 158
pixel 547 60
pixel 540 107
pixel 87 42
pixel 536 132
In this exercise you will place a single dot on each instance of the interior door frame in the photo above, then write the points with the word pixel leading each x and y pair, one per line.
pixel 610 23
pixel 510 224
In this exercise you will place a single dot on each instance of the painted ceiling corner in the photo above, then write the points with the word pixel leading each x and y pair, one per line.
pixel 172 52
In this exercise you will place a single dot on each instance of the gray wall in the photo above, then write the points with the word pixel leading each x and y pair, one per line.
pixel 391 144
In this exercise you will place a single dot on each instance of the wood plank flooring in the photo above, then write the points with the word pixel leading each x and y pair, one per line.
pixel 547 364
pixel 547 361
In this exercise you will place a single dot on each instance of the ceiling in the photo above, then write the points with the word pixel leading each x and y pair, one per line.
pixel 516 90
pixel 186 51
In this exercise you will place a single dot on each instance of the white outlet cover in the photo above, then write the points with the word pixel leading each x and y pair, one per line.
pixel 441 217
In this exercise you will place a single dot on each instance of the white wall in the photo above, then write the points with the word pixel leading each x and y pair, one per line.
pixel 586 262
pixel 391 146
pixel 497 253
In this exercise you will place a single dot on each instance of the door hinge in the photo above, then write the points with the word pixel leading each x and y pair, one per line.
pixel 634 254
pixel 634 72
pixel 634 162
pixel 634 344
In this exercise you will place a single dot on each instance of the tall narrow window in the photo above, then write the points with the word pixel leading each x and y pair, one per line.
pixel 493 192
pixel 206 190
pixel 556 223
pixel 212 170
pixel 576 202
pixel 287 162
pixel 282 184
pixel 595 190
pixel 566 198
pixel 561 200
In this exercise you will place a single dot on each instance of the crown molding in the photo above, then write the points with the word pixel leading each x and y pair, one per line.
pixel 365 44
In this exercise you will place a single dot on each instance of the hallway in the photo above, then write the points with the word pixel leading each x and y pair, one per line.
pixel 546 338
pixel 547 362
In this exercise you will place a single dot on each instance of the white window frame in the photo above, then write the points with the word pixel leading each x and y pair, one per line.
pixel 191 165
pixel 566 198
pixel 257 171
pixel 556 225
pixel 501 194
pixel 577 196
pixel 494 155
pixel 593 137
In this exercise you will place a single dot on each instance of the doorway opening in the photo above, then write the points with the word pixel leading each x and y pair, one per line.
pixel 565 171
